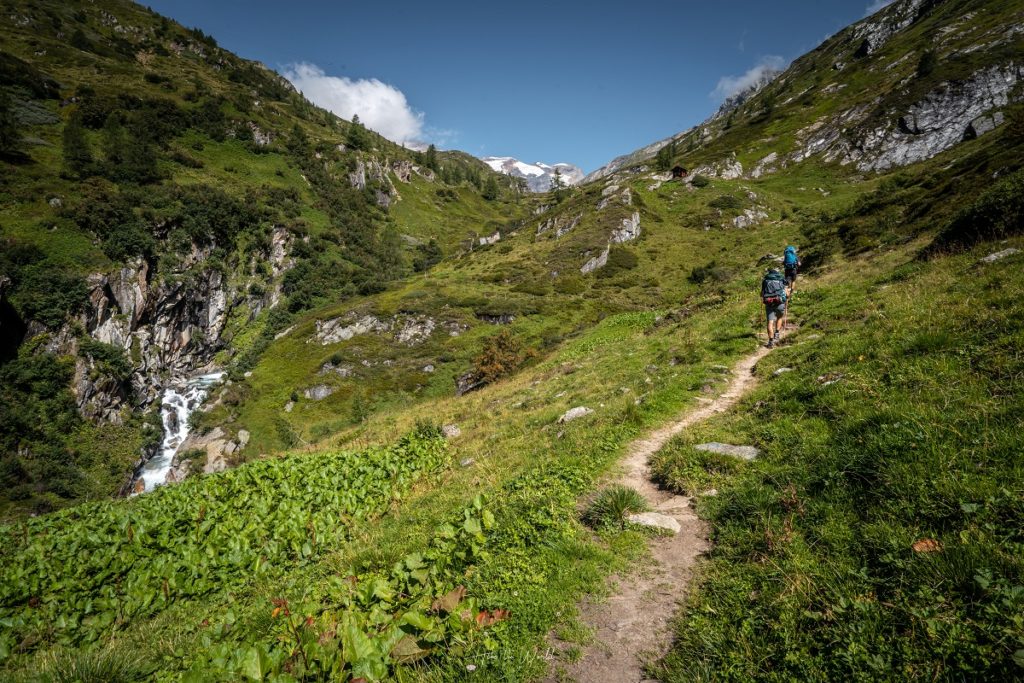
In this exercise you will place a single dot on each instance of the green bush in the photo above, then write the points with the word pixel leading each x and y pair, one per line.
pixel 108 359
pixel 709 271
pixel 726 201
pixel 997 214
pixel 620 259
pixel 700 181
pixel 533 287
pixel 570 284
pixel 49 295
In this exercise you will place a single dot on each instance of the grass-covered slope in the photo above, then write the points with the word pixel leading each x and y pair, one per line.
pixel 879 535
pixel 129 141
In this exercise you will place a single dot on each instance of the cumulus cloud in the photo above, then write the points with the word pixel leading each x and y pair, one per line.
pixel 875 6
pixel 730 85
pixel 380 107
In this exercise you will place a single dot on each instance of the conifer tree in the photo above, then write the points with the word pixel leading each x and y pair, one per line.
pixel 10 137
pixel 666 155
pixel 491 189
pixel 358 136
pixel 113 142
pixel 557 184
pixel 430 160
pixel 78 161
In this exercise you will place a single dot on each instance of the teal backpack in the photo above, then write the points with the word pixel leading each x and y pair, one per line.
pixel 790 259
pixel 773 289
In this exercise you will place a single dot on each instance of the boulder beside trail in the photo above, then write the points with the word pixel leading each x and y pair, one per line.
pixel 318 392
pixel 744 452
pixel 999 255
pixel 656 520
pixel 574 413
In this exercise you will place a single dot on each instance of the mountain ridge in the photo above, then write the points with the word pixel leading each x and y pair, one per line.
pixel 538 176
pixel 431 374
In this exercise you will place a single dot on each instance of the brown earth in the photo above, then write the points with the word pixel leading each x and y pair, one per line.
pixel 632 626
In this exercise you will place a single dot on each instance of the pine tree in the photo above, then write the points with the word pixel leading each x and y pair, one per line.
pixel 358 136
pixel 113 142
pixel 491 189
pixel 557 184
pixel 666 155
pixel 10 137
pixel 430 160
pixel 78 161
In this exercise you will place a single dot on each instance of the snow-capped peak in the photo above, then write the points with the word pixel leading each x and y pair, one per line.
pixel 538 175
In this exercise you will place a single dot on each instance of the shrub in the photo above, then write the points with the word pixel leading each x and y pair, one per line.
pixel 700 181
pixel 108 359
pixel 620 260
pixel 533 287
pixel 501 355
pixel 726 201
pixel 709 271
pixel 570 284
pixel 997 214
pixel 48 295
pixel 612 505
pixel 926 65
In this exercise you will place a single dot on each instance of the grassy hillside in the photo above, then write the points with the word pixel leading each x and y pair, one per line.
pixel 131 141
pixel 877 537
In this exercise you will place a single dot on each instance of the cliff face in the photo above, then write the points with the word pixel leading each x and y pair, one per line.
pixel 168 324
pixel 911 81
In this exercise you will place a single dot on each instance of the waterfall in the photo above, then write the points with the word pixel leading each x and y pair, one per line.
pixel 180 400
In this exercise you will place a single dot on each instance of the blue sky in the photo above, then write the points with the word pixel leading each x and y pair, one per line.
pixel 578 82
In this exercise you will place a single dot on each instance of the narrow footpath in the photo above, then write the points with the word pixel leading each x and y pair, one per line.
pixel 632 625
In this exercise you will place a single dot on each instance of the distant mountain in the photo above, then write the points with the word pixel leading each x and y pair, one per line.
pixel 538 175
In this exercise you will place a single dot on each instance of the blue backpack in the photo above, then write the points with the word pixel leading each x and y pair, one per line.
pixel 790 260
pixel 773 289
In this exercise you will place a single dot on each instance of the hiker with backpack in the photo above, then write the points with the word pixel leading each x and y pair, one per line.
pixel 791 262
pixel 773 296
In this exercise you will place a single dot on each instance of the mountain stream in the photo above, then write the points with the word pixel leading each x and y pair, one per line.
pixel 180 400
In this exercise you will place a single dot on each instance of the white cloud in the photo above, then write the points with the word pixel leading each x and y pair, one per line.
pixel 730 85
pixel 875 6
pixel 380 107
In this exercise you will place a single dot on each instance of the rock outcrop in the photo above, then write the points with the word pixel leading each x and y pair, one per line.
pixel 628 230
pixel 166 324
pixel 404 329
pixel 943 118
pixel 560 224
pixel 599 261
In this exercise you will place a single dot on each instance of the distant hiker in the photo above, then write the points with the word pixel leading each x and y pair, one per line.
pixel 773 296
pixel 791 262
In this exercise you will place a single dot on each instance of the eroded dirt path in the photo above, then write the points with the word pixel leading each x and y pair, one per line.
pixel 632 625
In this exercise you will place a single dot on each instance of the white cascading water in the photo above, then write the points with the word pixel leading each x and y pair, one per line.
pixel 180 400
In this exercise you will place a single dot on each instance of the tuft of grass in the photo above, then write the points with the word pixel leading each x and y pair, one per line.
pixel 112 664
pixel 612 505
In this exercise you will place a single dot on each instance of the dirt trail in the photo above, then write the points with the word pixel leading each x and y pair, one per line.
pixel 632 625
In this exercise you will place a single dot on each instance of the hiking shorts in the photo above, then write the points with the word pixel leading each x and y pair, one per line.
pixel 775 311
pixel 790 275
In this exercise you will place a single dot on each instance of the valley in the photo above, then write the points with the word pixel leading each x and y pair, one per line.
pixel 412 379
